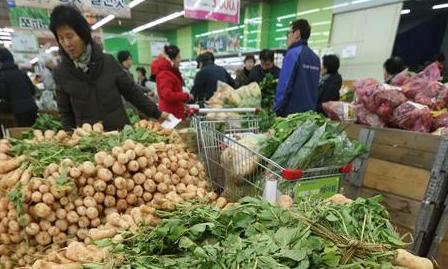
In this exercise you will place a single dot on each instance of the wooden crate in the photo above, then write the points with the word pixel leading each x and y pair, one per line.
pixel 399 167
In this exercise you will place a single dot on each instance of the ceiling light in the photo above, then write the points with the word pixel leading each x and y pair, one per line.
pixel 440 6
pixel 5 38
pixel 279 24
pixel 360 1
pixel 5 34
pixel 103 22
pixel 336 6
pixel 52 49
pixel 405 11
pixel 135 3
pixel 159 21
pixel 308 11
pixel 7 30
pixel 34 60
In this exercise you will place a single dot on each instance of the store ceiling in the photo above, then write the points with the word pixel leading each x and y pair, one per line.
pixel 423 8
pixel 151 10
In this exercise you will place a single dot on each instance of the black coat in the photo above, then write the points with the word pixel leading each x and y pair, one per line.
pixel 95 96
pixel 206 82
pixel 257 73
pixel 16 89
pixel 329 90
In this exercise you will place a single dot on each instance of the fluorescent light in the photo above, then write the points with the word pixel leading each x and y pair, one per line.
pixel 280 38
pixel 308 11
pixel 159 21
pixel 360 1
pixel 405 11
pixel 321 23
pixel 282 29
pixel 440 6
pixel 336 6
pixel 103 22
pixel 52 49
pixel 5 38
pixel 5 34
pixel 135 3
pixel 34 60
pixel 7 30
pixel 279 24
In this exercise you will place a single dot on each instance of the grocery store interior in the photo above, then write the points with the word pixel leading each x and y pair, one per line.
pixel 223 134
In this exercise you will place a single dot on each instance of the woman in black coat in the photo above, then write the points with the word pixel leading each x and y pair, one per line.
pixel 17 90
pixel 90 84
pixel 330 83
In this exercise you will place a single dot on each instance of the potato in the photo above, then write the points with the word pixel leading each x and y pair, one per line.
pixel 111 190
pixel 42 210
pixel 99 234
pixel 43 238
pixel 72 217
pixel 150 185
pixel 100 185
pixel 120 183
pixel 92 212
pixel 105 174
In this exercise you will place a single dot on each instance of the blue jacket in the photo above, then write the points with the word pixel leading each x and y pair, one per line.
pixel 299 81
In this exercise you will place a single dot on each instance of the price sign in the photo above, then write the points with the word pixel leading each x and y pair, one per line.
pixel 215 10
pixel 319 188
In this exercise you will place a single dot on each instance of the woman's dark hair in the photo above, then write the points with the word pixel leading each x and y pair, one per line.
pixel 6 56
pixel 249 57
pixel 394 65
pixel 123 55
pixel 171 51
pixel 141 70
pixel 267 55
pixel 303 26
pixel 331 63
pixel 72 17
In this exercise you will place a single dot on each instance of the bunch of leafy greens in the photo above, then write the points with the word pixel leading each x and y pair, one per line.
pixel 133 116
pixel 40 155
pixel 267 87
pixel 256 234
pixel 43 122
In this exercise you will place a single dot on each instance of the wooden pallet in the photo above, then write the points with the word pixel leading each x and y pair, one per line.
pixel 400 167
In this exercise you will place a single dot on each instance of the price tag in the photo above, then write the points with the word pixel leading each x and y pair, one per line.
pixel 318 188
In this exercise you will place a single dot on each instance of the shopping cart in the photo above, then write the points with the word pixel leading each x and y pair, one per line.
pixel 238 170
pixel 199 115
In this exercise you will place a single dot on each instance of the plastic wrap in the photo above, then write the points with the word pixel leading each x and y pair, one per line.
pixel 340 111
pixel 385 101
pixel 367 118
pixel 401 78
pixel 435 96
pixel 430 73
pixel 414 117
pixel 413 86
pixel 440 121
pixel 365 90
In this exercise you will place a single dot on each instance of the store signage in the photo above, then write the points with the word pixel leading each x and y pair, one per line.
pixel 215 10
pixel 317 188
pixel 29 18
pixel 118 8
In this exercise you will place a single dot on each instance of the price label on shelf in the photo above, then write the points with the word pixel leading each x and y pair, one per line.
pixel 216 10
pixel 319 188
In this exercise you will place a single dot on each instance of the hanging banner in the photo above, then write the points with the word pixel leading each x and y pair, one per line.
pixel 214 10
pixel 118 8
pixel 29 18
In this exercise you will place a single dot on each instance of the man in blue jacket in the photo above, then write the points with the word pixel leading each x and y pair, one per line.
pixel 299 77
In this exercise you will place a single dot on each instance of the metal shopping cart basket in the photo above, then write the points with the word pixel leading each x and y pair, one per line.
pixel 199 115
pixel 239 170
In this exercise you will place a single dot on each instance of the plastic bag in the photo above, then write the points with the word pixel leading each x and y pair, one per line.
pixel 401 78
pixel 365 90
pixel 249 96
pixel 431 73
pixel 435 96
pixel 413 86
pixel 286 153
pixel 224 96
pixel 340 111
pixel 441 131
pixel 440 121
pixel 386 100
pixel 367 118
pixel 414 117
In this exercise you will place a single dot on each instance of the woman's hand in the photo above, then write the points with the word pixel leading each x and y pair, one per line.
pixel 164 116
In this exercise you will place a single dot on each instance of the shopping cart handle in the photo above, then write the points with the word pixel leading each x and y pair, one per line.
pixel 228 110
pixel 346 169
pixel 292 174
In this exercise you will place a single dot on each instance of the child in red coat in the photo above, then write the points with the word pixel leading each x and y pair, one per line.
pixel 169 82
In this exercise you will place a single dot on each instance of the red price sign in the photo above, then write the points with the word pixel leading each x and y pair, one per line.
pixel 227 5
pixel 217 10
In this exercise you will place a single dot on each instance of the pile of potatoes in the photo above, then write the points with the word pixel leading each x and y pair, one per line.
pixel 85 202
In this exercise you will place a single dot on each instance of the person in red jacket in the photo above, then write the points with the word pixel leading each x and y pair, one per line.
pixel 169 82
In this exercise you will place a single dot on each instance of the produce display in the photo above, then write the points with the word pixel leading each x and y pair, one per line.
pixel 44 122
pixel 227 97
pixel 406 103
pixel 256 234
pixel 58 188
